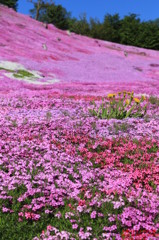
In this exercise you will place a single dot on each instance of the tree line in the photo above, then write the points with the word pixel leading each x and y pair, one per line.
pixel 129 30
pixel 10 3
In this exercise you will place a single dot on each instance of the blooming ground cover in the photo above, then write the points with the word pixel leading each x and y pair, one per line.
pixel 65 172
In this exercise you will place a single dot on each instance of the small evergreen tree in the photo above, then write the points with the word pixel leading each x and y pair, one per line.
pixel 10 3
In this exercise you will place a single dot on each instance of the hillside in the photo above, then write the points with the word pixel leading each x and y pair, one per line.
pixel 79 135
pixel 71 62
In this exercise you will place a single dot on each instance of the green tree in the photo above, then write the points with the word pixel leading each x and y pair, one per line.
pixel 129 29
pixel 10 3
pixel 96 28
pixel 156 22
pixel 51 13
pixel 38 6
pixel 71 23
pixel 57 15
pixel 81 26
pixel 148 35
pixel 111 26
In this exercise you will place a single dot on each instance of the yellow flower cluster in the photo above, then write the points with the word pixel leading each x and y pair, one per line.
pixel 143 97
pixel 110 95
pixel 124 93
pixel 130 97
pixel 137 100
pixel 127 101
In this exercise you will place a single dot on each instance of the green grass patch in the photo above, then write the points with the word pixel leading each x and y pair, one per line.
pixel 8 70
pixel 22 74
pixel 153 185
pixel 153 149
pixel 127 161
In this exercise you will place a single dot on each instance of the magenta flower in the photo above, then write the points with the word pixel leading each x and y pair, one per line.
pixel 75 226
pixel 93 214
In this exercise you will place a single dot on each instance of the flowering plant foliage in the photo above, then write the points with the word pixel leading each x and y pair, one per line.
pixel 123 106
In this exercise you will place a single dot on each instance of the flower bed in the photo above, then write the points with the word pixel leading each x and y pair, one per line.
pixel 65 174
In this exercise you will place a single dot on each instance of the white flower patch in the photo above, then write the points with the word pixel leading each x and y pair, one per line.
pixel 11 65
pixel 18 72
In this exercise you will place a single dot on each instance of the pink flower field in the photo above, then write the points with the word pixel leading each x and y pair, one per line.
pixel 70 169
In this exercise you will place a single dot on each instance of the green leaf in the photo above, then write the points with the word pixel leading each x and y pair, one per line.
pixel 130 111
